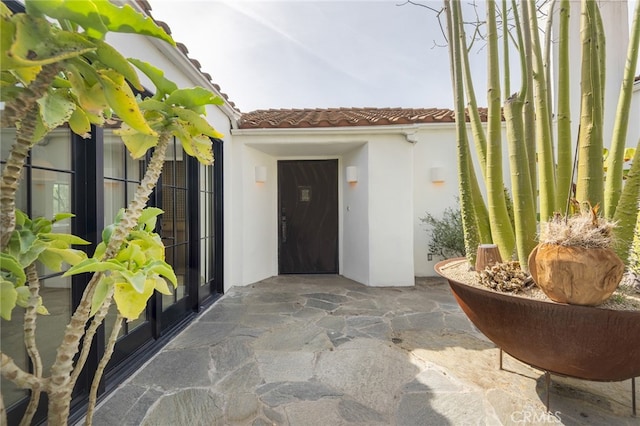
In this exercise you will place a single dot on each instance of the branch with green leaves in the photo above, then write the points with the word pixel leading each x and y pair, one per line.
pixel 55 68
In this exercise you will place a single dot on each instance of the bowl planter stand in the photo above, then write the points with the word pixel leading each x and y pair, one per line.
pixel 570 340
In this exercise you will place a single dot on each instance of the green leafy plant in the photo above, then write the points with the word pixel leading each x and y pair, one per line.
pixel 57 69
pixel 446 236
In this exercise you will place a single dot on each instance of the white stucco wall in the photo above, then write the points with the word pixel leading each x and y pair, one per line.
pixel 436 148
pixel 260 220
pixel 391 212
pixel 375 214
pixel 355 212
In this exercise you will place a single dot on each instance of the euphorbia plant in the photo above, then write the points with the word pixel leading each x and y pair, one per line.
pixel 57 69
pixel 554 179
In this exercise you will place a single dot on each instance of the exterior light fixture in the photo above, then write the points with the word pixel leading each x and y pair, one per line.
pixel 352 174
pixel 437 174
pixel 261 174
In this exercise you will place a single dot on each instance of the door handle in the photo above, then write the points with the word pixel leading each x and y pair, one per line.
pixel 283 227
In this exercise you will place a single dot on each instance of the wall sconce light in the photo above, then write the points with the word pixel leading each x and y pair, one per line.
pixel 261 174
pixel 437 174
pixel 352 174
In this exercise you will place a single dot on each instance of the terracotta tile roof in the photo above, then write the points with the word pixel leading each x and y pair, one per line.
pixel 345 117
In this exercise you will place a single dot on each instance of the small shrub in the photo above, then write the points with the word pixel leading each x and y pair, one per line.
pixel 446 235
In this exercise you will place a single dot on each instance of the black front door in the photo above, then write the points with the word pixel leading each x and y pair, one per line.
pixel 308 207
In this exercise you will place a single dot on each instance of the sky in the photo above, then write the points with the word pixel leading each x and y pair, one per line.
pixel 317 53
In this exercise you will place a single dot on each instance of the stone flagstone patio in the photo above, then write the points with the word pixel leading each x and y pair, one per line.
pixel 325 350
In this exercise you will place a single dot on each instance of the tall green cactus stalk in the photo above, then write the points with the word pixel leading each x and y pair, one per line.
pixel 506 75
pixel 469 219
pixel 546 163
pixel 501 229
pixel 529 113
pixel 613 183
pixel 547 63
pixel 524 207
pixel 634 252
pixel 477 129
pixel 535 176
pixel 564 142
pixel 483 224
pixel 589 184
pixel 627 211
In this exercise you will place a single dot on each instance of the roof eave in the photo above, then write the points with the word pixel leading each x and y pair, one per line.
pixel 407 130
pixel 189 68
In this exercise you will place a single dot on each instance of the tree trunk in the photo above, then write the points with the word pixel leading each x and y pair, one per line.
pixel 23 110
pixel 61 385
pixel 30 317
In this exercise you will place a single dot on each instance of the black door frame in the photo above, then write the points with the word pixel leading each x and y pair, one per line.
pixel 336 161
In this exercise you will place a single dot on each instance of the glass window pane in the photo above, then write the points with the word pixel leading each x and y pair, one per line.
pixel 109 321
pixel 180 264
pixel 113 156
pixel 21 195
pixel 13 345
pixel 8 137
pixel 50 193
pixel 131 191
pixel 53 152
pixel 203 214
pixel 118 193
pixel 56 297
pixel 134 169
pixel 203 263
pixel 113 199
pixel 181 216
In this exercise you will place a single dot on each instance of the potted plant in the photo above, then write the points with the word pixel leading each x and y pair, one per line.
pixel 574 262
pixel 577 341
pixel 58 70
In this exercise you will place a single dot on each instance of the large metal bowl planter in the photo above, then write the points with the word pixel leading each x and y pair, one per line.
pixel 577 341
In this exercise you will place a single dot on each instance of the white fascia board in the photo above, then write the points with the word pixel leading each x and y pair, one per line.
pixel 406 130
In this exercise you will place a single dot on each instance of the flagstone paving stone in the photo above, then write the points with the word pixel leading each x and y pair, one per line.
pixel 325 350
